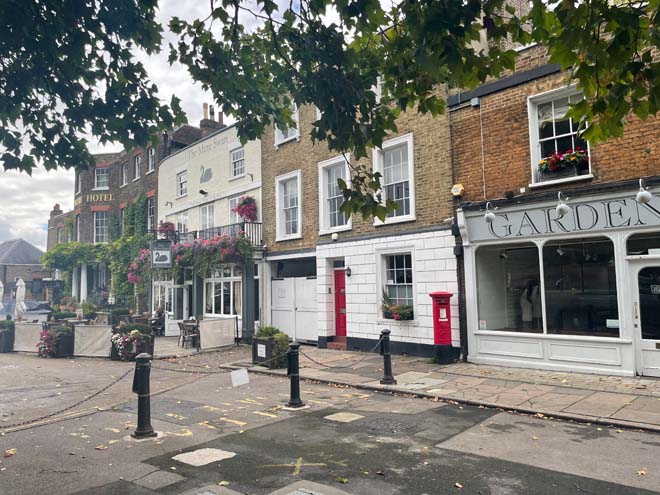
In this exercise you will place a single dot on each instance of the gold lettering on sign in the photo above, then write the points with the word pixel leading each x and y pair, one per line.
pixel 99 197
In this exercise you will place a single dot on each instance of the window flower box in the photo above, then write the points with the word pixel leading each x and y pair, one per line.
pixel 571 163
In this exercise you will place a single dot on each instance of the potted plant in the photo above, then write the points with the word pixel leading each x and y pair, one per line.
pixel 269 347
pixel 167 230
pixel 564 164
pixel 56 342
pixel 130 341
pixel 7 332
pixel 397 312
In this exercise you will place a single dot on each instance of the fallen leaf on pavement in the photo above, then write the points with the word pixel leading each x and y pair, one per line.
pixel 458 485
pixel 9 453
pixel 342 480
pixel 223 483
pixel 641 472
pixel 534 437
pixel 101 447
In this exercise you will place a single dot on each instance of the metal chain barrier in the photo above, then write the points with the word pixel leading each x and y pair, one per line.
pixel 68 408
pixel 367 356
pixel 205 371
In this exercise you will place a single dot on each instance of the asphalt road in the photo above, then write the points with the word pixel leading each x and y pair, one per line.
pixel 347 441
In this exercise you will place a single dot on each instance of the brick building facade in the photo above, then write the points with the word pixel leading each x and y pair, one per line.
pixel 561 263
pixel 329 275
pixel 101 197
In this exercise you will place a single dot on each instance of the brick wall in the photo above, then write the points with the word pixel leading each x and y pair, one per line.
pixel 432 170
pixel 506 141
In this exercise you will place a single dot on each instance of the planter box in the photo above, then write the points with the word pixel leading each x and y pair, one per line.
pixel 64 346
pixel 564 173
pixel 7 340
pixel 262 351
pixel 147 347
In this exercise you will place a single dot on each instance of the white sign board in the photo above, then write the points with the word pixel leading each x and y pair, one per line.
pixel 603 214
pixel 261 350
pixel 239 377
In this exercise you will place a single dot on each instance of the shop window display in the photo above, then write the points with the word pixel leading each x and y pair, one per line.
pixel 644 244
pixel 580 288
pixel 509 293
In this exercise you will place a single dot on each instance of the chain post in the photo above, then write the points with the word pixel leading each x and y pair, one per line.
pixel 388 379
pixel 293 370
pixel 142 389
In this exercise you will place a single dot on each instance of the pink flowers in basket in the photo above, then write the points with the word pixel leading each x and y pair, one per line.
pixel 246 209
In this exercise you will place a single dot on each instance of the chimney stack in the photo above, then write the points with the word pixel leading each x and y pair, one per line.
pixel 56 211
pixel 206 111
pixel 212 113
pixel 220 117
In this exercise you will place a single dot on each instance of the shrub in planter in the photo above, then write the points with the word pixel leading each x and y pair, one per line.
pixel 269 347
pixel 128 345
pixel 56 342
pixel 7 332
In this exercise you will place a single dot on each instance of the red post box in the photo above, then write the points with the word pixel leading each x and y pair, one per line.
pixel 444 352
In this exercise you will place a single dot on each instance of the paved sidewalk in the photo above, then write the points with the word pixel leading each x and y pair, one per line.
pixel 620 401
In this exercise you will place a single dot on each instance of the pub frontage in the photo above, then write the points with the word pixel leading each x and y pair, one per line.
pixel 566 281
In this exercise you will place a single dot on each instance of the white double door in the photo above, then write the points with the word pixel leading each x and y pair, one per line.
pixel 646 316
pixel 293 307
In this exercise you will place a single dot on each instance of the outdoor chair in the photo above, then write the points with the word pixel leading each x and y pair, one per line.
pixel 189 333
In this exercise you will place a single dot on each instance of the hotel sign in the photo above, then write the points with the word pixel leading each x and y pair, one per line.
pixel 586 216
pixel 96 197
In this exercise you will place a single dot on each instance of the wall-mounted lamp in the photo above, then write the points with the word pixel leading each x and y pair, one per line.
pixel 348 271
pixel 203 192
pixel 562 208
pixel 168 203
pixel 644 195
pixel 489 216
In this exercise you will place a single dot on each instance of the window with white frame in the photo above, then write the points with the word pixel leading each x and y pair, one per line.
pixel 59 235
pixel 102 178
pixel 222 292
pixel 331 218
pixel 100 226
pixel 289 133
pixel 182 183
pixel 398 290
pixel 207 216
pixel 234 217
pixel 77 228
pixel 137 166
pixel 151 214
pixel 182 222
pixel 151 159
pixel 124 174
pixel 288 208
pixel 78 183
pixel 395 163
pixel 238 162
pixel 557 147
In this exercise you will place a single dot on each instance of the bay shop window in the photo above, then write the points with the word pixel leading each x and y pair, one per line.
pixel 222 291
pixel 564 287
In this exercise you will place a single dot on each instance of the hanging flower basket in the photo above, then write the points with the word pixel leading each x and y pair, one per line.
pixel 166 230
pixel 246 209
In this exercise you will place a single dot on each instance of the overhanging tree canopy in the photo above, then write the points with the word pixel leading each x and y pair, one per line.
pixel 331 54
pixel 67 67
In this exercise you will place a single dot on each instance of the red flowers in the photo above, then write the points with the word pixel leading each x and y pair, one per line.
pixel 246 208
pixel 556 161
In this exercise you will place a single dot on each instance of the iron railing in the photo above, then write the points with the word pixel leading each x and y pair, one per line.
pixel 252 231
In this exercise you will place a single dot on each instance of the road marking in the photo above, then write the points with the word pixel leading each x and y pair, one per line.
pixel 265 414
pixel 297 465
pixel 250 401
pixel 233 421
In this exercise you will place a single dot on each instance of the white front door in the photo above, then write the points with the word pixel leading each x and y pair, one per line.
pixel 646 314
pixel 293 307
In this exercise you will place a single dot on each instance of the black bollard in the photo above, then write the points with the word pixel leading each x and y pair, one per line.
pixel 293 371
pixel 141 388
pixel 388 379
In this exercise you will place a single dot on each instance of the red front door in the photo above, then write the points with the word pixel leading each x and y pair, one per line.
pixel 340 303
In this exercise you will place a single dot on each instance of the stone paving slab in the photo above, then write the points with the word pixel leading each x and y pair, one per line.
pixel 632 402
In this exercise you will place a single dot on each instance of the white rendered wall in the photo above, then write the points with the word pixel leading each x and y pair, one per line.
pixel 434 269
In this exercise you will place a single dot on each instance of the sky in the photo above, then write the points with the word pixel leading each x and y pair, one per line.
pixel 26 202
